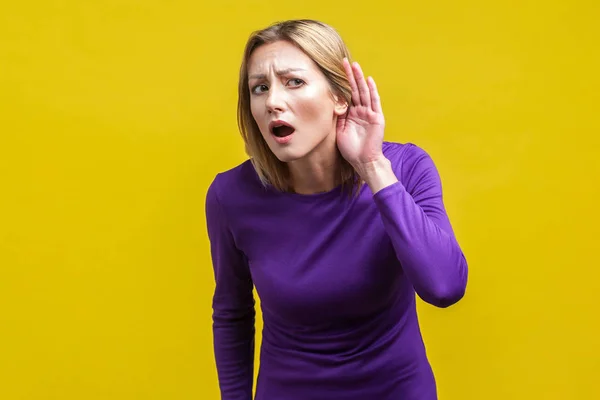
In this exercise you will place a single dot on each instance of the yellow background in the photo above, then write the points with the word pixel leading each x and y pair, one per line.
pixel 116 115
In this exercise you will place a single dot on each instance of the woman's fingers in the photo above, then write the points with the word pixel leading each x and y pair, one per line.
pixel 375 99
pixel 364 91
pixel 363 88
pixel 352 80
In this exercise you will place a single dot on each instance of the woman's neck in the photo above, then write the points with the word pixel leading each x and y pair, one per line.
pixel 318 172
pixel 315 178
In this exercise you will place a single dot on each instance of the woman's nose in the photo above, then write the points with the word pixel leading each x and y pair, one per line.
pixel 275 100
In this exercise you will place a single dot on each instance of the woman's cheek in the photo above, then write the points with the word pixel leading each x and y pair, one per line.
pixel 310 103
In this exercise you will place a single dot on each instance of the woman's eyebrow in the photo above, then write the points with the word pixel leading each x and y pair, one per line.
pixel 279 73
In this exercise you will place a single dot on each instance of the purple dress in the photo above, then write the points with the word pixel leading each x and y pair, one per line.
pixel 337 278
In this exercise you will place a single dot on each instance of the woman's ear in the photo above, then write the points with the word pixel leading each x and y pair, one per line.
pixel 341 106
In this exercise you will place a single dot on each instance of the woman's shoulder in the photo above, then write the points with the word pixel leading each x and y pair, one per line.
pixel 403 153
pixel 236 174
pixel 234 183
pixel 410 162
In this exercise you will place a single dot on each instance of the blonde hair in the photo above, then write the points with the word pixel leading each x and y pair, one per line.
pixel 326 48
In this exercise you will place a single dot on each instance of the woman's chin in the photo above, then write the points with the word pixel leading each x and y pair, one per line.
pixel 287 154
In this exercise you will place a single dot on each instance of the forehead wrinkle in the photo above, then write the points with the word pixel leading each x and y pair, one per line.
pixel 278 73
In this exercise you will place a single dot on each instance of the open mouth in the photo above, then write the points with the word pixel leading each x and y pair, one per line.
pixel 281 129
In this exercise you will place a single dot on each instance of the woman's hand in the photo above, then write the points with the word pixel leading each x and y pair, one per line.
pixel 360 131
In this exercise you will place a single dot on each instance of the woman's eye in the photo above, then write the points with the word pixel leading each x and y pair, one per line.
pixel 296 82
pixel 259 89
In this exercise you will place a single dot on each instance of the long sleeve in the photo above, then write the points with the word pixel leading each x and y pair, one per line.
pixel 233 306
pixel 415 219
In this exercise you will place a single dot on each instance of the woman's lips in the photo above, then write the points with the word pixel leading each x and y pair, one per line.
pixel 283 139
pixel 282 131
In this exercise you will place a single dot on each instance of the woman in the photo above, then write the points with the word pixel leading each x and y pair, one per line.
pixel 335 228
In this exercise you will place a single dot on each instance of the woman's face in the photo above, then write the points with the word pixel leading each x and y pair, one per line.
pixel 291 101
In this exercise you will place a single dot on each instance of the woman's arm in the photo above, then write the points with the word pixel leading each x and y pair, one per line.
pixel 233 305
pixel 414 217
